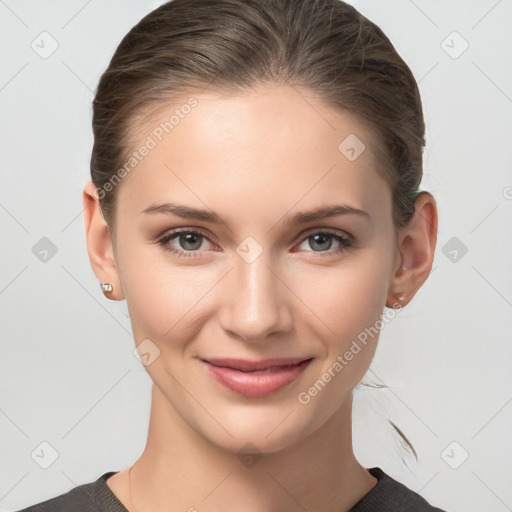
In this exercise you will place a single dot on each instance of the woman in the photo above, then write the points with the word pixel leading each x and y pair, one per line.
pixel 232 139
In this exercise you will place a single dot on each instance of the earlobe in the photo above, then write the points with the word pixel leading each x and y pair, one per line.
pixel 99 243
pixel 416 247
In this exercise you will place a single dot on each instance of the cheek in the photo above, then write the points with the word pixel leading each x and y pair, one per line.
pixel 350 301
pixel 160 294
pixel 345 299
pixel 164 300
pixel 363 300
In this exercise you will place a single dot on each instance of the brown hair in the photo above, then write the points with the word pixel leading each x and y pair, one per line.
pixel 324 46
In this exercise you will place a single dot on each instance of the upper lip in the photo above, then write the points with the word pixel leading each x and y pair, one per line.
pixel 246 365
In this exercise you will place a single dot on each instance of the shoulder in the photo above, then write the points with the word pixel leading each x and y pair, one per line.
pixel 90 497
pixel 389 495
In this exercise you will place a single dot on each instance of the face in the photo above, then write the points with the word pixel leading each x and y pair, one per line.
pixel 252 278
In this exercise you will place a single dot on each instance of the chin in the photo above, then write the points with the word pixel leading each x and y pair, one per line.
pixel 250 441
pixel 263 429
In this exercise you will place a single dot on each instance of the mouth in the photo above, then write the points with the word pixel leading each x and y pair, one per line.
pixel 255 378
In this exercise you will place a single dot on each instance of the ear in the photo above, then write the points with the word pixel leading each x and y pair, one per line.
pixel 99 243
pixel 415 252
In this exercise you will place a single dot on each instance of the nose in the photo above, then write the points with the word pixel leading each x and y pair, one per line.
pixel 257 302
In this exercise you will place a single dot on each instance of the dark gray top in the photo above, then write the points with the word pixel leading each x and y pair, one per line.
pixel 388 495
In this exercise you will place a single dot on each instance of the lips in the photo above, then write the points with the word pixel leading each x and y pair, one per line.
pixel 255 378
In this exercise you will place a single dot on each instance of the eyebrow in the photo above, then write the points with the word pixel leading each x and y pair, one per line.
pixel 293 220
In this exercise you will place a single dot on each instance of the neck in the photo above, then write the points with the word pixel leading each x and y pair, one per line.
pixel 181 470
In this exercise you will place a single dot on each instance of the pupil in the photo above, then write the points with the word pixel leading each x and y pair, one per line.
pixel 322 238
pixel 189 239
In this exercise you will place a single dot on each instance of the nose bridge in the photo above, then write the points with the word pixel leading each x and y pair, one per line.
pixel 256 305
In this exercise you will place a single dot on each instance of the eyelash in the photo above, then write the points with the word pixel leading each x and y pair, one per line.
pixel 346 242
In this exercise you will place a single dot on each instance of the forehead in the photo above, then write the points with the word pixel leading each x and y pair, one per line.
pixel 267 148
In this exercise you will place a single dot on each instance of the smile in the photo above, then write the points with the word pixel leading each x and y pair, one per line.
pixel 255 378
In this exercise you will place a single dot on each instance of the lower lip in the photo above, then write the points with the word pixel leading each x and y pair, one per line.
pixel 256 384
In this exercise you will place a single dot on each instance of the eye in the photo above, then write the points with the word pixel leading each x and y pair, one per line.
pixel 189 242
pixel 322 241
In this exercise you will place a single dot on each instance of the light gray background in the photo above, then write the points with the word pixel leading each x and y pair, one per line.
pixel 68 374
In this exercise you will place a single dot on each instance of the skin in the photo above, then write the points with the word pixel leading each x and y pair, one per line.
pixel 255 159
